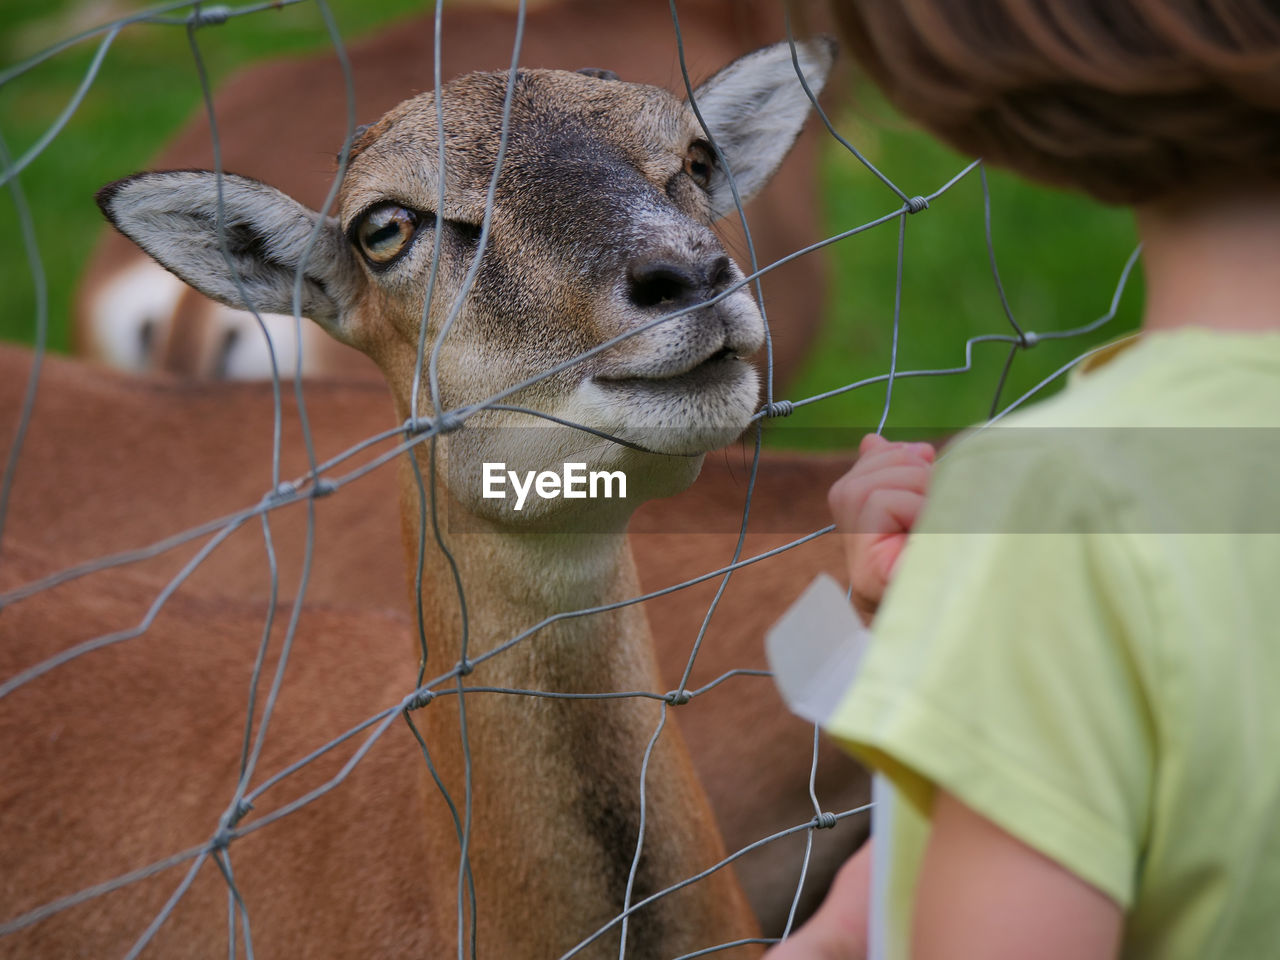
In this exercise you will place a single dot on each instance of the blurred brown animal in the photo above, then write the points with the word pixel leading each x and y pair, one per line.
pixel 132 315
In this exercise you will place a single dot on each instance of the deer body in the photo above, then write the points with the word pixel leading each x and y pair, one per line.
pixel 599 229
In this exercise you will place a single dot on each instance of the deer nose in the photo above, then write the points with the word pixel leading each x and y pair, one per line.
pixel 658 282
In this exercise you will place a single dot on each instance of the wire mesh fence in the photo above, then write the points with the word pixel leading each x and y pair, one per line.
pixel 252 805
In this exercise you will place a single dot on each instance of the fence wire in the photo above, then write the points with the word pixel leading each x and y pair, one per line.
pixel 323 479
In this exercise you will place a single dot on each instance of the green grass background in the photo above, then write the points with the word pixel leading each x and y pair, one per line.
pixel 1059 255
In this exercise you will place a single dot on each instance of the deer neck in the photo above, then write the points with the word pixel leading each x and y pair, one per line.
pixel 555 783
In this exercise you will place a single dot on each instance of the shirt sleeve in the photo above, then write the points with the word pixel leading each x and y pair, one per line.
pixel 1007 666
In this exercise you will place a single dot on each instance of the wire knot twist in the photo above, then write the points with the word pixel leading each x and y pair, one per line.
pixel 464 667
pixel 447 422
pixel 221 839
pixel 678 698
pixel 916 204
pixel 1028 339
pixel 419 699
pixel 241 810
pixel 323 487
pixel 282 491
pixel 779 408
pixel 210 16
pixel 824 821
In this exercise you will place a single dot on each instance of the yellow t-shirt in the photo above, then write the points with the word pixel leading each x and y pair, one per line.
pixel 1082 644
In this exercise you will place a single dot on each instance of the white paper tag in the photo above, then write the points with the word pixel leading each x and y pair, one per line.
pixel 815 650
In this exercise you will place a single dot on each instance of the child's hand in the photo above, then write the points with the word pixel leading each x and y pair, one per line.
pixel 875 505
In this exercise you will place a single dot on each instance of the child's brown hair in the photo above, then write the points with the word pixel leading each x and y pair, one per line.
pixel 1129 100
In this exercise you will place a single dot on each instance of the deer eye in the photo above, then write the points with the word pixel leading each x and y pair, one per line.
pixel 699 163
pixel 385 232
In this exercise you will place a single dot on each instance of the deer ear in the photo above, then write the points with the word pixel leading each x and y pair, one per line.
pixel 754 109
pixel 173 216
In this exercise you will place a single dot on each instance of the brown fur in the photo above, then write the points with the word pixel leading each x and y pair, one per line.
pixel 634 40
pixel 153 768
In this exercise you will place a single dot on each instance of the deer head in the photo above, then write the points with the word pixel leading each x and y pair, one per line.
pixel 600 226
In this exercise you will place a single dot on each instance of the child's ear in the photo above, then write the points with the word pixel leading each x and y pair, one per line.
pixel 754 109
pixel 174 216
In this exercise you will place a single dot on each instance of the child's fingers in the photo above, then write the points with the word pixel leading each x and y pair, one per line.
pixel 878 456
pixel 887 452
pixel 873 443
pixel 875 505
pixel 848 497
pixel 870 443
pixel 889 511
pixel 891 455
pixel 893 476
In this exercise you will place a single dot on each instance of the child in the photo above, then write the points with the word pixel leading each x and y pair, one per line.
pixel 1071 693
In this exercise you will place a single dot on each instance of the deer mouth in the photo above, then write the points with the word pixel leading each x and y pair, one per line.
pixel 683 403
pixel 679 372
pixel 713 362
